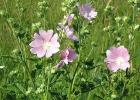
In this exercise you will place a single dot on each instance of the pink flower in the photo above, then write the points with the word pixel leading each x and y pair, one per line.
pixel 67 56
pixel 45 43
pixel 87 11
pixel 117 58
pixel 69 32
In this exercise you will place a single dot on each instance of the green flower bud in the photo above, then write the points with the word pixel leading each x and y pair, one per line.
pixel 136 27
pixel 1 12
pixel 125 18
pixel 118 19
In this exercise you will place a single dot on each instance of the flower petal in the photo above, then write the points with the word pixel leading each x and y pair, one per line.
pixel 51 50
pixel 124 53
pixel 70 19
pixel 113 67
pixel 33 50
pixel 72 55
pixel 40 52
pixel 36 43
pixel 54 41
pixel 69 33
pixel 46 35
pixel 125 65
pixel 73 37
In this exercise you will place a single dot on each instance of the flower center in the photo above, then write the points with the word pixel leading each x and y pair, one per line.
pixel 119 60
pixel 46 45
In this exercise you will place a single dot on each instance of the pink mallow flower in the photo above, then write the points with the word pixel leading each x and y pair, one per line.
pixel 87 11
pixel 67 56
pixel 69 33
pixel 117 58
pixel 45 43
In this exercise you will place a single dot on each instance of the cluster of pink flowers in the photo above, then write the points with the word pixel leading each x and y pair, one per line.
pixel 66 27
pixel 45 43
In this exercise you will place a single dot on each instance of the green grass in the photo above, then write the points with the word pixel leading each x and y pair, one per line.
pixel 102 39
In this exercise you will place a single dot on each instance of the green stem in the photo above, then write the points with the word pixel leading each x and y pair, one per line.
pixel 4 2
pixel 23 58
pixel 89 53
pixel 109 1
pixel 44 21
pixel 48 83
pixel 88 98
pixel 73 82
pixel 19 13
pixel 131 41
pixel 77 66
pixel 8 56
